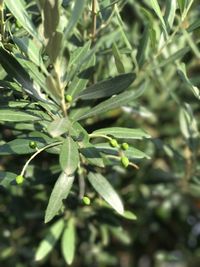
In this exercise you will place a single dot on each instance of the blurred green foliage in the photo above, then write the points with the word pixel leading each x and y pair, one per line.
pixel 160 42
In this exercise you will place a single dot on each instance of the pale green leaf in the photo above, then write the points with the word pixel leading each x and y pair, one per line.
pixel 68 241
pixel 59 193
pixel 188 123
pixel 18 10
pixel 156 8
pixel 104 188
pixel 79 82
pixel 51 13
pixel 118 59
pixel 170 13
pixel 131 152
pixel 54 46
pixel 143 46
pixel 69 156
pixel 30 48
pixel 53 89
pixel 80 59
pixel 183 74
pixel 175 56
pixel 75 16
pixel 129 215
pixel 17 72
pixel 122 132
pixel 59 126
pixel 48 243
pixel 14 115
pixel 182 5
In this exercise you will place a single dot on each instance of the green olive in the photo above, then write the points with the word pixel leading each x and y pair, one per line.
pixel 125 146
pixel 68 98
pixel 32 144
pixel 125 161
pixel 86 201
pixel 19 179
pixel 114 143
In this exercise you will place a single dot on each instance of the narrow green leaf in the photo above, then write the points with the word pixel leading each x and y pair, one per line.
pixel 6 178
pixel 188 123
pixel 79 61
pixel 92 155
pixel 75 16
pixel 54 46
pixel 35 75
pixel 20 146
pixel 170 13
pixel 129 215
pixel 122 27
pixel 156 8
pixel 30 48
pixel 131 152
pixel 48 243
pixel 109 87
pixel 114 102
pixel 182 5
pixel 122 132
pixel 59 193
pixel 149 31
pixel 104 188
pixel 143 46
pixel 77 132
pixel 14 115
pixel 18 10
pixel 68 242
pixel 17 72
pixel 193 45
pixel 79 54
pixel 118 61
pixel 69 156
pixel 80 81
pixel 59 126
pixel 51 13
pixel 183 74
pixel 175 56
pixel 78 112
pixel 53 89
pixel 194 26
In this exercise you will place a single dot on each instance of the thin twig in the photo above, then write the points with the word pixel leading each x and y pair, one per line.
pixel 94 19
pixel 2 23
pixel 36 153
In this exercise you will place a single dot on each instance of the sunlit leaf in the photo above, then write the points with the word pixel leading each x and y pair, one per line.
pixel 59 193
pixel 104 188
pixel 48 243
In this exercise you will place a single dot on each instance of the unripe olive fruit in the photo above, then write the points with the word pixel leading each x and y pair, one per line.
pixel 125 161
pixel 86 201
pixel 125 146
pixel 114 143
pixel 68 98
pixel 32 144
pixel 19 179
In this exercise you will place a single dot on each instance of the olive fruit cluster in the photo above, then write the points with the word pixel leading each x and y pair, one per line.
pixel 124 146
